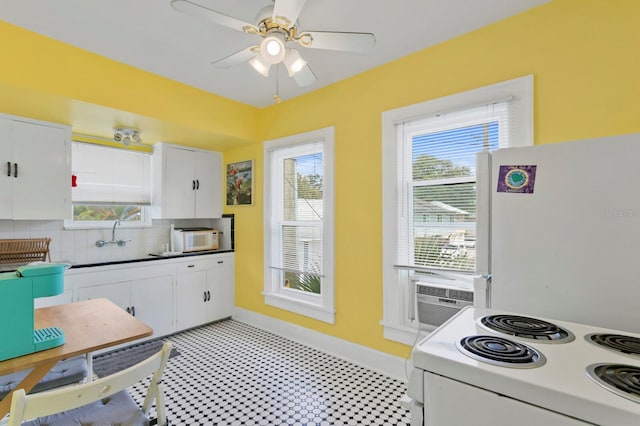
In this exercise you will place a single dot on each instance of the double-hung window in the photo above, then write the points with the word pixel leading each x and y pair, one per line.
pixel 109 184
pixel 429 189
pixel 299 224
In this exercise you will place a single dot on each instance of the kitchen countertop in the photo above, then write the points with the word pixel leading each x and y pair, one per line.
pixel 10 267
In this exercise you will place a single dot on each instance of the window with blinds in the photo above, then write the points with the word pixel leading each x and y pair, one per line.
pixel 298 217
pixel 429 186
pixel 298 224
pixel 437 172
pixel 109 184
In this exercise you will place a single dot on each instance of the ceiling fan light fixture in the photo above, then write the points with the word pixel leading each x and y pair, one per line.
pixel 259 64
pixel 294 62
pixel 272 49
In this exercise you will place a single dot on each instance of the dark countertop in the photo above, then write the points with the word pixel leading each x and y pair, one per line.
pixel 149 258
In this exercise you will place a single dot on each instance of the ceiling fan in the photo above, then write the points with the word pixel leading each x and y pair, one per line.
pixel 278 26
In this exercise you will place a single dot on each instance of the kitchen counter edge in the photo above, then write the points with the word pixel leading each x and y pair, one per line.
pixel 148 258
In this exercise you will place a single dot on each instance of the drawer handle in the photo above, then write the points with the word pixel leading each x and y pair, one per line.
pixel 191 266
pixel 220 261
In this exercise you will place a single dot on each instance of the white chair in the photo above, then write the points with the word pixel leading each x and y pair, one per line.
pixel 103 401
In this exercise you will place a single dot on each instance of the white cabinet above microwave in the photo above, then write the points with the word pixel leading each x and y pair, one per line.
pixel 187 183
pixel 35 169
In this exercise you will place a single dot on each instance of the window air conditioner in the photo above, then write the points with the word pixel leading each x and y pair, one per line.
pixel 436 303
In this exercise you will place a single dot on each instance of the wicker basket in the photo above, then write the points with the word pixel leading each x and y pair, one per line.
pixel 25 250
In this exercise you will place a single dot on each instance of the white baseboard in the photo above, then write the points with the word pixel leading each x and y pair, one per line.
pixel 364 356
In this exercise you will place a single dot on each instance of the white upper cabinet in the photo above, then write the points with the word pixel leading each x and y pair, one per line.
pixel 35 169
pixel 186 182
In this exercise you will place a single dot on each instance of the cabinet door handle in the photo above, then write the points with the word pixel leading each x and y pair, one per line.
pixel 204 297
pixel 9 168
pixel 209 293
pixel 15 170
pixel 193 185
pixel 128 310
pixel 197 183
pixel 133 311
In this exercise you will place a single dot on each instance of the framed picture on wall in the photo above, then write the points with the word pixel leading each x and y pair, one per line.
pixel 240 183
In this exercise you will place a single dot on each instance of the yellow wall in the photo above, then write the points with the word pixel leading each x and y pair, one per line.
pixel 585 58
pixel 45 79
pixel 583 54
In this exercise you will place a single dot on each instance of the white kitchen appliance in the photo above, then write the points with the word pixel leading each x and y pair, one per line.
pixel 476 368
pixel 186 240
pixel 558 231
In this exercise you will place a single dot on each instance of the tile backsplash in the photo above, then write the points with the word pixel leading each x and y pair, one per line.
pixel 78 246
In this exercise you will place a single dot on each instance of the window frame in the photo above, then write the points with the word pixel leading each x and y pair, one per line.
pixel 322 306
pixel 398 303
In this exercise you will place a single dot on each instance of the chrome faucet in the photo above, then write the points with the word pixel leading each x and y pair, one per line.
pixel 120 243
pixel 113 231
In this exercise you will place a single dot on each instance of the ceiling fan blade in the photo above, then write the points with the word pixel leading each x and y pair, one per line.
pixel 236 58
pixel 348 42
pixel 305 76
pixel 194 9
pixel 289 9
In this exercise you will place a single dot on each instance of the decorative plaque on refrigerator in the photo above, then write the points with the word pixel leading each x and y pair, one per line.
pixel 520 179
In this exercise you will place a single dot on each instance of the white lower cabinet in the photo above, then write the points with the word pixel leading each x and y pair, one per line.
pixel 169 295
pixel 144 291
pixel 220 285
pixel 191 294
pixel 149 300
pixel 204 290
pixel 59 299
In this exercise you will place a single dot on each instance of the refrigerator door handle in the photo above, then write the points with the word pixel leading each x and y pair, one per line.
pixel 482 291
pixel 483 213
pixel 411 301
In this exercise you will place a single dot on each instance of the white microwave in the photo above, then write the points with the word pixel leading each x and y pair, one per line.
pixel 188 240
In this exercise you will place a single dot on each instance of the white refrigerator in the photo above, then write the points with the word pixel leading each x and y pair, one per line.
pixel 558 233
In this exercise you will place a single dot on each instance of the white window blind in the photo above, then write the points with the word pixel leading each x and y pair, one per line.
pixel 437 177
pixel 297 215
pixel 110 176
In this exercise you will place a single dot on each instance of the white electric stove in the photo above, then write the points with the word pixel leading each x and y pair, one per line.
pixel 474 368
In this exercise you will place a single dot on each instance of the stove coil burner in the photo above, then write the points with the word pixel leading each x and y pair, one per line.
pixel 500 351
pixel 623 380
pixel 616 342
pixel 527 328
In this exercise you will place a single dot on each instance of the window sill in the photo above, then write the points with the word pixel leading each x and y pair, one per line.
pixel 69 224
pixel 320 313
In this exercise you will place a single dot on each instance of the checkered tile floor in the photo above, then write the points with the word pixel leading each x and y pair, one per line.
pixel 230 373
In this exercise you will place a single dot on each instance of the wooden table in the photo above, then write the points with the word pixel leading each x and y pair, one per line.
pixel 88 326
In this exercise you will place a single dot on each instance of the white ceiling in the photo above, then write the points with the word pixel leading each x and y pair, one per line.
pixel 150 35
